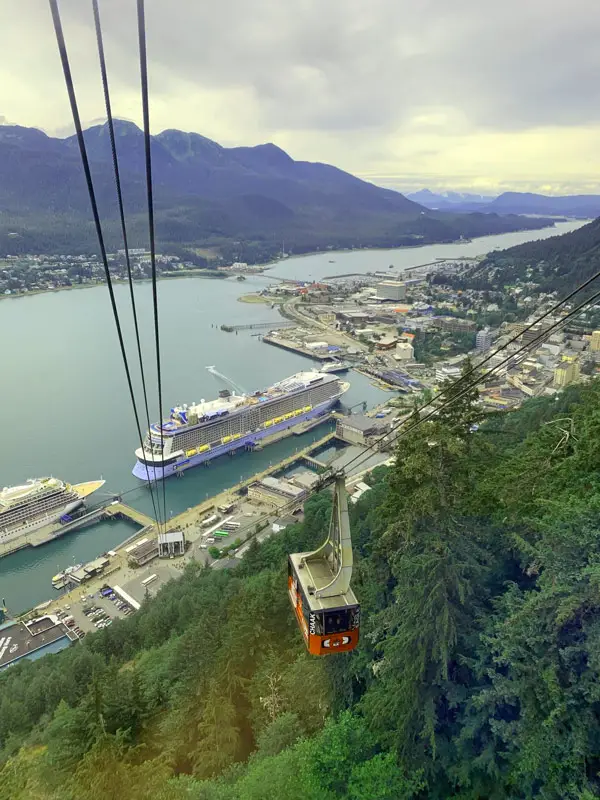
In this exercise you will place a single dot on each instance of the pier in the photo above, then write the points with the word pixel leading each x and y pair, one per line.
pixel 286 344
pixel 181 521
pixel 55 530
pixel 315 463
pixel 259 326
pixel 120 510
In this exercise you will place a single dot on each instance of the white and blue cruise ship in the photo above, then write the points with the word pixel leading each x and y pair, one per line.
pixel 202 431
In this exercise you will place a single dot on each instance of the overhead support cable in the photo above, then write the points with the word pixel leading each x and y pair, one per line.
pixel 150 198
pixel 60 39
pixel 113 147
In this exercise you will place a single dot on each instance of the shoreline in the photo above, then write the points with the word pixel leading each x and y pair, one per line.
pixel 343 251
pixel 118 281
pixel 263 266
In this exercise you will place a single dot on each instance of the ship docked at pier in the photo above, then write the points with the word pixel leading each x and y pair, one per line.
pixel 200 432
pixel 39 502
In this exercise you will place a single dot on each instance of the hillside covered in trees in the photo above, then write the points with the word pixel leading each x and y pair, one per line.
pixel 557 264
pixel 477 676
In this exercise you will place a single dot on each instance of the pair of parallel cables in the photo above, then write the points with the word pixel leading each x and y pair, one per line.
pixel 60 39
pixel 453 392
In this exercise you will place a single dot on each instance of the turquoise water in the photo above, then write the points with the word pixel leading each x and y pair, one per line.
pixel 65 408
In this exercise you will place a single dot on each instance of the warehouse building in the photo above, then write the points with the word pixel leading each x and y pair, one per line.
pixel 391 290
pixel 142 553
pixel 276 492
pixel 360 429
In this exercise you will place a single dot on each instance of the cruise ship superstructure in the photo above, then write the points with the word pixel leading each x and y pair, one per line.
pixel 202 431
pixel 39 502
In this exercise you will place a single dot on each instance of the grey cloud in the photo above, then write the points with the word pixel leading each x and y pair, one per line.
pixel 351 69
pixel 349 64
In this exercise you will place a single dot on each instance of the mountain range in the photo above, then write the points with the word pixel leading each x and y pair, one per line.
pixel 448 199
pixel 248 203
pixel 584 206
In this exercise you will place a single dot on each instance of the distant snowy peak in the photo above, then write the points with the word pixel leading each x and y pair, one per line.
pixel 443 199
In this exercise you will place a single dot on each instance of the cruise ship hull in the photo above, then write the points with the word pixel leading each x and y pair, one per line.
pixel 40 522
pixel 51 516
pixel 148 473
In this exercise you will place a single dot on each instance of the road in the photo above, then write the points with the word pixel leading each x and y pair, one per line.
pixel 292 308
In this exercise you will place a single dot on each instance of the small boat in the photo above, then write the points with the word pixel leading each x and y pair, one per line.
pixel 59 580
pixel 336 366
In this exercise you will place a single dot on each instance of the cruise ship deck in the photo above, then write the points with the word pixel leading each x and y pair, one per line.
pixel 88 487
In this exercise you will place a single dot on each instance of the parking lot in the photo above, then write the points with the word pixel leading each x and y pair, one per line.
pixel 93 612
pixel 243 515
pixel 89 611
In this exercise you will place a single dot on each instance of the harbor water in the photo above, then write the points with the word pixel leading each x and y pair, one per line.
pixel 322 265
pixel 65 406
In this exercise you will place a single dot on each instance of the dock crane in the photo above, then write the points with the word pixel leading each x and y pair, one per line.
pixel 326 609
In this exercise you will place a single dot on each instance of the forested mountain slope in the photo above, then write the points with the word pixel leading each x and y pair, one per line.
pixel 244 202
pixel 557 264
pixel 477 676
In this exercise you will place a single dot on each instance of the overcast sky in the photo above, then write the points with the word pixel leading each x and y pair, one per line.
pixel 468 94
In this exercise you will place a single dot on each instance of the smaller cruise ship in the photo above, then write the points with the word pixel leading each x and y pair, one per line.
pixel 39 502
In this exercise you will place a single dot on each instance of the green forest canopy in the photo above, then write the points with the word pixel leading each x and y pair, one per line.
pixel 477 566
pixel 555 264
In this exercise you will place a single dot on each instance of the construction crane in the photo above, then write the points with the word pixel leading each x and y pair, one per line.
pixel 326 609
pixel 214 371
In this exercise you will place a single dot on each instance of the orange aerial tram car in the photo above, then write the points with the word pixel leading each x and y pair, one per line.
pixel 326 608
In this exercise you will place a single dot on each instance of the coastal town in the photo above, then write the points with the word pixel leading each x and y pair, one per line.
pixel 408 332
pixel 33 273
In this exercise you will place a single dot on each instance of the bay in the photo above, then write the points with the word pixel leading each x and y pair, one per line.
pixel 66 410
pixel 317 267
pixel 64 402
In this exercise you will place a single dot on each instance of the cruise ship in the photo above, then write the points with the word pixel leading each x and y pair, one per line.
pixel 39 502
pixel 202 431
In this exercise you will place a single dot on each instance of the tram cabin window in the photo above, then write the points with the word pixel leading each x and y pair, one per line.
pixel 336 621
